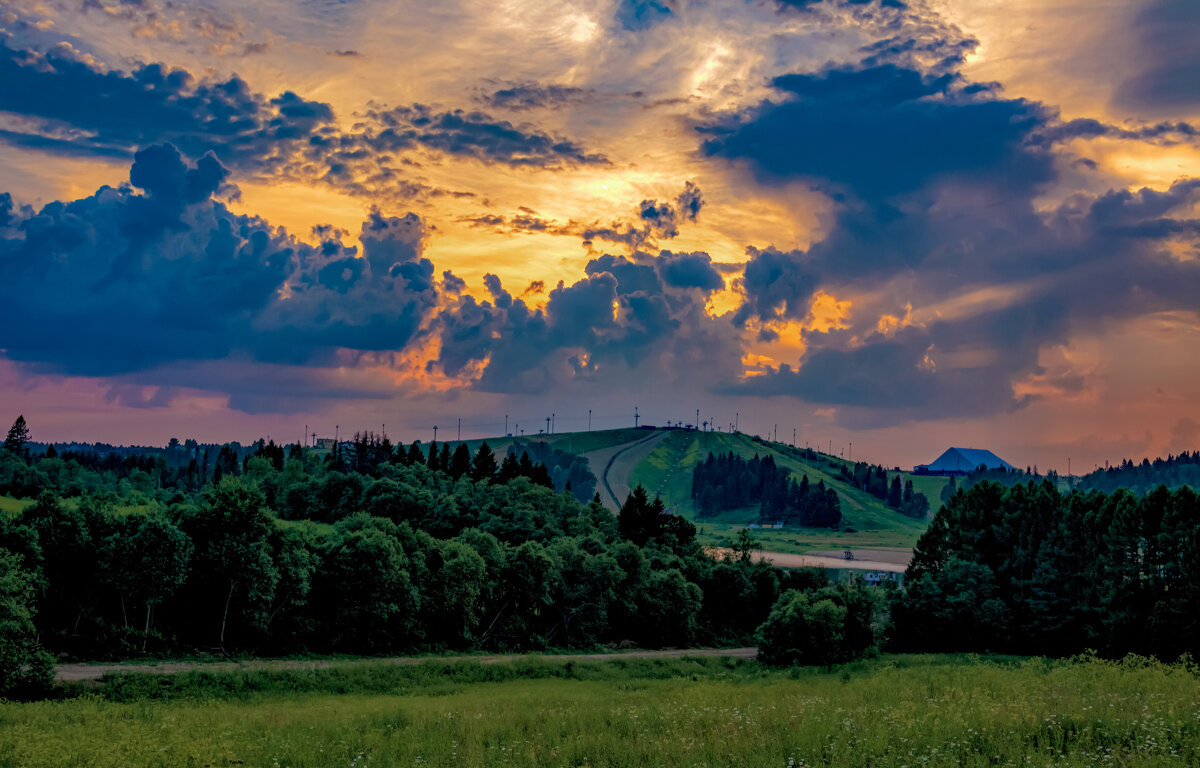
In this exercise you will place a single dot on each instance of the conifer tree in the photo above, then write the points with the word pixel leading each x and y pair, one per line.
pixel 484 465
pixel 460 462
pixel 18 435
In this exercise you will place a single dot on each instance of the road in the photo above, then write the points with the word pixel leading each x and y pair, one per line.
pixel 601 462
pixel 621 466
pixel 81 672
pixel 822 560
pixel 790 560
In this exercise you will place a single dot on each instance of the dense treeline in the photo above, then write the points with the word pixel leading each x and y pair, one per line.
pixel 728 481
pixel 1141 478
pixel 1031 570
pixel 567 471
pixel 1146 475
pixel 411 557
pixel 898 495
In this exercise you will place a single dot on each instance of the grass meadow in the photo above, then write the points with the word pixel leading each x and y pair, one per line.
pixel 893 711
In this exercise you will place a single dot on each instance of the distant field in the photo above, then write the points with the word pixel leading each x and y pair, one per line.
pixel 10 506
pixel 801 540
pixel 895 711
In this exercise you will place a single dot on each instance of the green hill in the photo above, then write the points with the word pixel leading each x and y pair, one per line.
pixel 670 455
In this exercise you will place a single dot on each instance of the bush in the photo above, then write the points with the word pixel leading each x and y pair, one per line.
pixel 25 671
pixel 822 626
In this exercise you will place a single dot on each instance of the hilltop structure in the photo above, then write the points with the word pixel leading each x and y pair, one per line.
pixel 960 461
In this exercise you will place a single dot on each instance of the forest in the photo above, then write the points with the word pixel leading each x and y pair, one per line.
pixel 375 549
pixel 381 550
pixel 1029 569
pixel 1140 477
pixel 898 495
pixel 728 481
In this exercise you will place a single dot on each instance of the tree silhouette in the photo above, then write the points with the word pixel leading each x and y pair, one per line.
pixel 18 435
pixel 484 465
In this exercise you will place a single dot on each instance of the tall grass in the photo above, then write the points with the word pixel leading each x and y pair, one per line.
pixel 896 711
pixel 402 679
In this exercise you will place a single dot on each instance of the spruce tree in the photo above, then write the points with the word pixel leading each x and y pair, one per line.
pixel 18 435
pixel 484 465
pixel 460 462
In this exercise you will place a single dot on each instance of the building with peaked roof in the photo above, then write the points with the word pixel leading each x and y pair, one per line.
pixel 960 461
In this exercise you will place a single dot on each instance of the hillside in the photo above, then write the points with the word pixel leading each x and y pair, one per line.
pixel 663 460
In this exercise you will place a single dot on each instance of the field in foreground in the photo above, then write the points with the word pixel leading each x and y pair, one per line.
pixel 895 711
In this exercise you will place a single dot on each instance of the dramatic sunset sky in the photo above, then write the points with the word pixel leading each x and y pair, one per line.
pixel 903 223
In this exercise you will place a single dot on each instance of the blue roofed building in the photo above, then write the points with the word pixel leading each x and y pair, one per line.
pixel 961 461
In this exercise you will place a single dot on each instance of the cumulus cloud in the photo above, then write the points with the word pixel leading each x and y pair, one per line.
pixel 882 131
pixel 933 182
pixel 632 318
pixel 159 288
pixel 129 281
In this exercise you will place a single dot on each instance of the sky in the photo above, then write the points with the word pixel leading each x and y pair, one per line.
pixel 883 226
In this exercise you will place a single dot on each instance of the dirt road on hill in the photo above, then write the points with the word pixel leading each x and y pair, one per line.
pixel 616 476
pixel 613 494
pixel 81 672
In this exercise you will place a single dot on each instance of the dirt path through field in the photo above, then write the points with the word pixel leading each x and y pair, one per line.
pixel 896 556
pixel 821 560
pixel 789 560
pixel 601 462
pixel 80 672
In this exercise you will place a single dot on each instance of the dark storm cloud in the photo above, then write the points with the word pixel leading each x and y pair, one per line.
pixel 631 319
pixel 776 284
pixel 631 277
pixel 1168 83
pixel 113 113
pixel 884 131
pixel 1093 271
pixel 124 282
pixel 933 181
pixel 887 375
pixel 689 270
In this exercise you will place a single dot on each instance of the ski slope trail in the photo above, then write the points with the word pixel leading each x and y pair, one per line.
pixel 620 467
pixel 613 483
